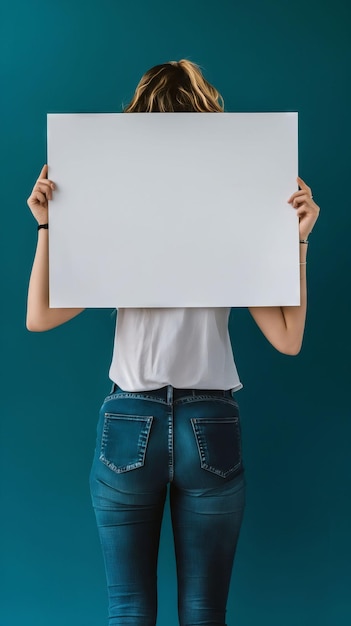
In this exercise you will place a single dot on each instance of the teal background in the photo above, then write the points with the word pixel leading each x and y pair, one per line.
pixel 293 560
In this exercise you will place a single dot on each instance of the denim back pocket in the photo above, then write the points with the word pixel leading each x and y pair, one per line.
pixel 219 443
pixel 124 441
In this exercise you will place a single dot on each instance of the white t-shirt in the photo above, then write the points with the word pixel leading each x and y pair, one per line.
pixel 188 348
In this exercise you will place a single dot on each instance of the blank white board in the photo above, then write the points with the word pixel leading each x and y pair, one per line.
pixel 173 209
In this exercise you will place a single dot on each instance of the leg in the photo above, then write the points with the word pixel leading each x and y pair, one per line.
pixel 207 505
pixel 128 492
pixel 129 531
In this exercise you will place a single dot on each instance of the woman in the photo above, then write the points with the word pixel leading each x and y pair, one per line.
pixel 172 415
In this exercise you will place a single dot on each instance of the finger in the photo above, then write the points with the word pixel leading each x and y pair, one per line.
pixel 40 196
pixel 299 194
pixel 44 171
pixel 302 200
pixel 44 183
pixel 302 184
pixel 46 189
pixel 296 194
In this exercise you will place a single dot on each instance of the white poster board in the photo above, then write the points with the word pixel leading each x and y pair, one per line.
pixel 173 210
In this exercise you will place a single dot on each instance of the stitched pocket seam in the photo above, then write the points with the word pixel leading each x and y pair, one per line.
pixel 202 446
pixel 146 421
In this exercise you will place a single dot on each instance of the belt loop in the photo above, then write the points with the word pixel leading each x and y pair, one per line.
pixel 169 394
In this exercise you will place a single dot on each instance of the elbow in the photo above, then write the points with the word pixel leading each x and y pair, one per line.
pixel 34 327
pixel 36 321
pixel 292 350
pixel 30 327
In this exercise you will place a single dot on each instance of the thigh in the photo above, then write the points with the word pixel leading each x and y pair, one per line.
pixel 206 530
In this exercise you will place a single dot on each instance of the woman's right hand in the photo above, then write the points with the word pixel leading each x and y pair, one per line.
pixel 41 193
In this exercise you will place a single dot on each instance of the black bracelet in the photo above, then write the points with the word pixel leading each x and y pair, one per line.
pixel 303 240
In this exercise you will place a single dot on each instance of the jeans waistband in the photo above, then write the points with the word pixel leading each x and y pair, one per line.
pixel 170 393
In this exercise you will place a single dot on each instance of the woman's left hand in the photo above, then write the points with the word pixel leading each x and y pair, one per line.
pixel 307 209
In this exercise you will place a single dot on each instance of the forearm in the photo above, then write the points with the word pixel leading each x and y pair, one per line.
pixel 38 289
pixel 295 316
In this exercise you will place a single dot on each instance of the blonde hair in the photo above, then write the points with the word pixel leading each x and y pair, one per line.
pixel 175 86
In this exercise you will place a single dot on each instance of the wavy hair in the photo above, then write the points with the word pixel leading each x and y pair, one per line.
pixel 172 87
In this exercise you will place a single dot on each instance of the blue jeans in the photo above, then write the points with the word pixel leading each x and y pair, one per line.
pixel 191 439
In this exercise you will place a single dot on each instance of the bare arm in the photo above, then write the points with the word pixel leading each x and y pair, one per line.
pixel 39 316
pixel 284 326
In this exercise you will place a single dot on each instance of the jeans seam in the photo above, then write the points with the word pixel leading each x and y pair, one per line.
pixel 135 396
pixel 142 443
pixel 188 399
pixel 170 445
